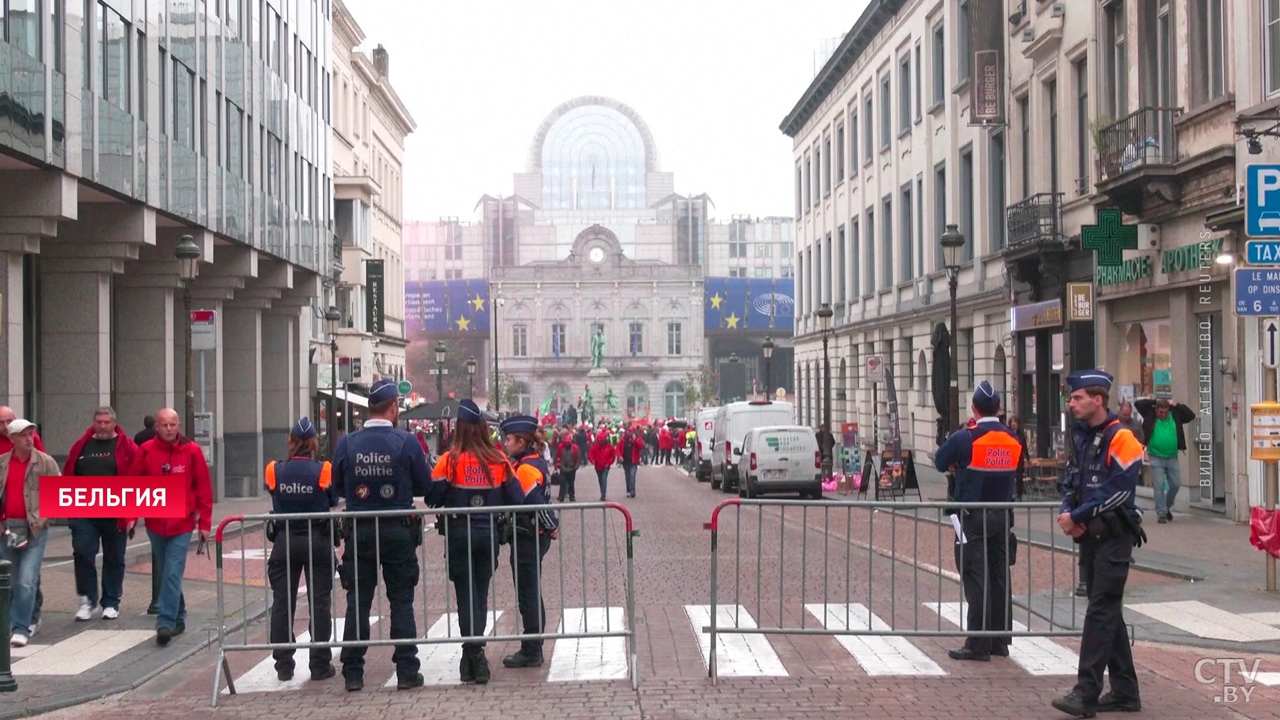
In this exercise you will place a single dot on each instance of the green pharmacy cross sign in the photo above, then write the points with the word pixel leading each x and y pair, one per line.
pixel 1110 238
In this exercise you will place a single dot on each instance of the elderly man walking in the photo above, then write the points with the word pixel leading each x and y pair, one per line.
pixel 24 536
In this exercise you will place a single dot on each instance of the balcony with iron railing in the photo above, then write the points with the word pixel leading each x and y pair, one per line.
pixel 1035 221
pixel 1134 151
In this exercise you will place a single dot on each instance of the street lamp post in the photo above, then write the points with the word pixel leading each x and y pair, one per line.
pixel 952 242
pixel 331 319
pixel 495 401
pixel 188 254
pixel 471 376
pixel 767 347
pixel 441 349
pixel 824 317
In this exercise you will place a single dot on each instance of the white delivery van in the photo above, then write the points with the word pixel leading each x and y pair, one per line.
pixel 732 422
pixel 702 453
pixel 783 458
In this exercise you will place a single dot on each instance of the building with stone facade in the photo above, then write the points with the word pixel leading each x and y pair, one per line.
pixel 370 125
pixel 885 158
pixel 123 130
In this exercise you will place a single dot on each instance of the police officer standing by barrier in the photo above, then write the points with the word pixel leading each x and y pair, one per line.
pixel 301 484
pixel 533 534
pixel 472 474
pixel 985 456
pixel 1098 512
pixel 381 467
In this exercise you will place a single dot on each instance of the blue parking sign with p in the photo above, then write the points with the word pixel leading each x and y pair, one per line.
pixel 1262 201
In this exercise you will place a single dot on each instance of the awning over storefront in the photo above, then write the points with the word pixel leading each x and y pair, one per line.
pixel 343 396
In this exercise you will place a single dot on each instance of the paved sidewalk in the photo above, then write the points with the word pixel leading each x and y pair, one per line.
pixel 60 668
pixel 1216 601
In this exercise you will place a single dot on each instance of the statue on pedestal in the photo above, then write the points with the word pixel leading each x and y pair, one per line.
pixel 597 349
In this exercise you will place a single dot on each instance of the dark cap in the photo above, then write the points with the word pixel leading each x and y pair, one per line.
pixel 382 391
pixel 303 429
pixel 469 412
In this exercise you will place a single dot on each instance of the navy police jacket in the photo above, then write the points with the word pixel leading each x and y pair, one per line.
pixel 1105 473
pixel 380 468
pixel 461 481
pixel 300 485
pixel 986 459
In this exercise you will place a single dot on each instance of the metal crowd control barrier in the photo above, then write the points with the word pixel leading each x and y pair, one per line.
pixel 849 600
pixel 429 587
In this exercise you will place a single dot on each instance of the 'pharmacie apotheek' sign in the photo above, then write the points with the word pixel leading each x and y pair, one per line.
pixel 1184 259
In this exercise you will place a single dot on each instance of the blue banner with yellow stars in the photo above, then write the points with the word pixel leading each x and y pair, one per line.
pixel 749 303
pixel 453 306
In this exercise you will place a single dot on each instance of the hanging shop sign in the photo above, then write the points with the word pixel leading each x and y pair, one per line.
pixel 1127 271
pixel 1079 302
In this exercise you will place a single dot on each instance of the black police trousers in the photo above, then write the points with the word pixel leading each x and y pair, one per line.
pixel 1104 564
pixel 527 553
pixel 394 547
pixel 472 557
pixel 293 553
pixel 983 563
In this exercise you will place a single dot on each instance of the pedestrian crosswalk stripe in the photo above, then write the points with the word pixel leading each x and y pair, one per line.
pixel 26 650
pixel 80 652
pixel 1036 655
pixel 262 677
pixel 581 659
pixel 1271 679
pixel 737 655
pixel 878 655
pixel 1206 621
pixel 440 660
pixel 1266 618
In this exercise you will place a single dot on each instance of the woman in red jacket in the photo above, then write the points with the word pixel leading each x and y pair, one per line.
pixel 602 455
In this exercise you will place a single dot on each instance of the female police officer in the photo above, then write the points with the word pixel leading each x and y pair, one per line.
pixel 473 473
pixel 301 484
pixel 534 531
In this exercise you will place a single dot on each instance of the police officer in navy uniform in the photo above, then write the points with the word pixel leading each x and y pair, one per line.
pixel 985 457
pixel 301 484
pixel 534 531
pixel 1098 512
pixel 381 467
pixel 474 473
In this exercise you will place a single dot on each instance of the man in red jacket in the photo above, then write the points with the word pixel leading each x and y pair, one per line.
pixel 630 450
pixel 104 449
pixel 168 453
pixel 665 444
pixel 7 416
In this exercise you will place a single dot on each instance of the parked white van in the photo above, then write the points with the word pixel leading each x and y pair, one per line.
pixel 783 458
pixel 732 422
pixel 702 453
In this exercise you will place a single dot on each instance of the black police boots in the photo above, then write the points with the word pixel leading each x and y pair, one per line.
pixel 474 668
pixel 323 674
pixel 353 684
pixel 965 653
pixel 522 660
pixel 1111 702
pixel 284 674
pixel 408 683
pixel 1075 706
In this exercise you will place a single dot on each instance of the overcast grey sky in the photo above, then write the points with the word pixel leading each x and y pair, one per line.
pixel 712 79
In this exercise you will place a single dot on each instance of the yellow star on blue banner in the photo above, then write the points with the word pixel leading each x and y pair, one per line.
pixel 478 303
pixel 463 324
pixel 715 301
pixel 732 320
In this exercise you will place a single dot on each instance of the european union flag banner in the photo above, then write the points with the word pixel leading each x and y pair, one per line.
pixel 452 306
pixel 749 303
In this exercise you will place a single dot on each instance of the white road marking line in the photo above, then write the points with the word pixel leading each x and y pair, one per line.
pixel 262 677
pixel 1271 679
pixel 878 655
pixel 26 651
pixel 1206 621
pixel 1036 655
pixel 737 655
pixel 440 660
pixel 80 652
pixel 589 658
pixel 1266 618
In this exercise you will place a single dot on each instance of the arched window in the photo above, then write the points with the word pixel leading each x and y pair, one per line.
pixel 1000 376
pixel 524 401
pixel 673 399
pixel 560 400
pixel 637 399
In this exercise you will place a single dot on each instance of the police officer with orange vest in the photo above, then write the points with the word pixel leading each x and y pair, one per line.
pixel 985 456
pixel 379 468
pixel 474 474
pixel 301 484
pixel 1098 512
pixel 533 533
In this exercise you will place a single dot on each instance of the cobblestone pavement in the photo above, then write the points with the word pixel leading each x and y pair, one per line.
pixel 822 565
